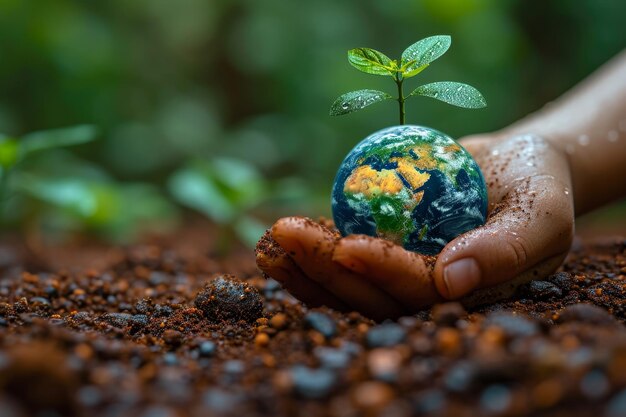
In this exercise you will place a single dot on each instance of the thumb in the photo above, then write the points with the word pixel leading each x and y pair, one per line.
pixel 529 232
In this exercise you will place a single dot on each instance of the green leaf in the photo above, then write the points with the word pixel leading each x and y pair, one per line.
pixel 9 152
pixel 73 194
pixel 88 204
pixel 370 61
pixel 221 189
pixel 425 51
pixel 356 100
pixel 457 94
pixel 56 138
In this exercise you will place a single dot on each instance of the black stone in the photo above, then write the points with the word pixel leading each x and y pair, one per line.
pixel 228 299
pixel 542 290
pixel 563 280
pixel 120 320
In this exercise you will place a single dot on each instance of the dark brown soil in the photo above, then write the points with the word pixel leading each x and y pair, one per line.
pixel 154 335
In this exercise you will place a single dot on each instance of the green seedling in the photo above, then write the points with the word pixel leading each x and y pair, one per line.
pixel 46 188
pixel 230 192
pixel 415 59
pixel 13 150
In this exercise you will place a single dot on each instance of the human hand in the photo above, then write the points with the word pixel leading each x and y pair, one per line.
pixel 527 235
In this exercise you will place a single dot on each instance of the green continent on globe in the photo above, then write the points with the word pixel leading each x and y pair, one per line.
pixel 412 185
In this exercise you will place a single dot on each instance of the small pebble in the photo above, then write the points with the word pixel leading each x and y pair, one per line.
pixel 384 364
pixel 587 313
pixel 261 340
pixel 496 399
pixel 322 323
pixel 207 349
pixel 617 405
pixel 512 325
pixel 372 395
pixel 271 288
pixel 312 383
pixel 460 377
pixel 332 358
pixel 173 338
pixel 563 280
pixel 234 367
pixel 448 314
pixel 449 342
pixel 170 359
pixel 429 401
pixel 120 320
pixel 40 301
pixel 595 385
pixel 220 400
pixel 279 321
pixel 384 335
pixel 542 290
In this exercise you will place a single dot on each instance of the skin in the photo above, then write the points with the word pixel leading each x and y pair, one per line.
pixel 565 160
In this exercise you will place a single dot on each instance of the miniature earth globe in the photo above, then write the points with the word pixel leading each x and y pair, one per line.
pixel 411 185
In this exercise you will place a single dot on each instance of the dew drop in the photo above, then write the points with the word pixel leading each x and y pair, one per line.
pixel 613 136
pixel 583 140
pixel 459 88
pixel 530 164
pixel 566 191
pixel 495 152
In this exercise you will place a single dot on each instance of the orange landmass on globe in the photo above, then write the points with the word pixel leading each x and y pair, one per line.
pixel 371 183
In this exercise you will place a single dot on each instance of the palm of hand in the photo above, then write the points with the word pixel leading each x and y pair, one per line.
pixel 527 235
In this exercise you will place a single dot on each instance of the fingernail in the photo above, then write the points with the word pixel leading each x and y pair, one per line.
pixel 461 277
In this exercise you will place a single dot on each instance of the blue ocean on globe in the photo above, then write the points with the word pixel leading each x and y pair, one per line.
pixel 411 185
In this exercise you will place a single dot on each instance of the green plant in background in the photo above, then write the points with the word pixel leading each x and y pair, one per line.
pixel 228 191
pixel 13 151
pixel 160 99
pixel 49 189
pixel 415 59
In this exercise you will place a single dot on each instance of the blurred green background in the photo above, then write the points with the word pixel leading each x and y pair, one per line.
pixel 221 106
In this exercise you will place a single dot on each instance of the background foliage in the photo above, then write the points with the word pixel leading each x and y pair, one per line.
pixel 200 102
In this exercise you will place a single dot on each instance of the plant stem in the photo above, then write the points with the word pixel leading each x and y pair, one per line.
pixel 399 82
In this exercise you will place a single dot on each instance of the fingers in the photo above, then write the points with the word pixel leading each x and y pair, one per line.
pixel 402 274
pixel 275 262
pixel 529 230
pixel 311 247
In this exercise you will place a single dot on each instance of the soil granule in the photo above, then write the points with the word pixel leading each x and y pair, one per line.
pixel 149 336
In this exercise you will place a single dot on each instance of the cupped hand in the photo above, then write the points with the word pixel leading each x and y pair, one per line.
pixel 527 235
